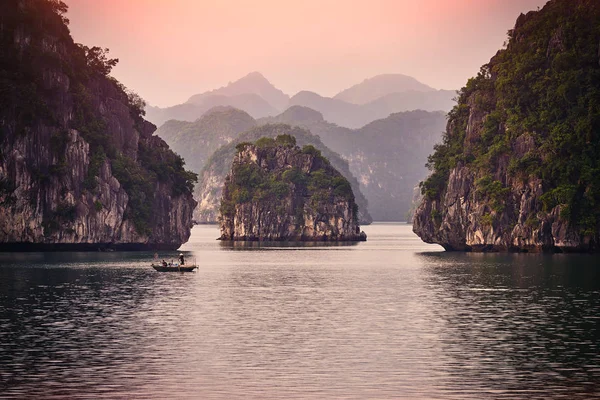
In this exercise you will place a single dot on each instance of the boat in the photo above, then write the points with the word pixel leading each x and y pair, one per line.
pixel 174 268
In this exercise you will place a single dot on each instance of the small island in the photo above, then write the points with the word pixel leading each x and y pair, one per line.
pixel 279 192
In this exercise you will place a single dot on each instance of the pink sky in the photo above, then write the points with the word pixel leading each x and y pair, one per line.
pixel 171 49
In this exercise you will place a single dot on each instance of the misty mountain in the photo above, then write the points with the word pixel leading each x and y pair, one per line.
pixel 387 156
pixel 342 138
pixel 212 177
pixel 389 159
pixel 436 100
pixel 333 110
pixel 196 141
pixel 381 85
pixel 253 83
pixel 358 115
pixel 251 103
pixel 373 99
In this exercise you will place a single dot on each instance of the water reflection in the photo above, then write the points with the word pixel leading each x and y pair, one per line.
pixel 62 327
pixel 514 319
pixel 252 245
pixel 384 319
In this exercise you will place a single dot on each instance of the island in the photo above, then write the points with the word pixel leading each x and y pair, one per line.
pixel 277 191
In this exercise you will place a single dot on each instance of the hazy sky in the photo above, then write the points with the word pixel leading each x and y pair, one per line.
pixel 171 49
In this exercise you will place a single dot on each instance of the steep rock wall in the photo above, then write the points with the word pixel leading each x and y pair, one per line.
pixel 519 164
pixel 63 128
pixel 299 204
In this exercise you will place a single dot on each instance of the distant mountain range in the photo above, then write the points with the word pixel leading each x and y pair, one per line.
pixel 381 85
pixel 197 141
pixel 253 83
pixel 386 156
pixel 357 115
pixel 372 99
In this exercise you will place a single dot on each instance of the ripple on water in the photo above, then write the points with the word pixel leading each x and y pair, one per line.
pixel 389 318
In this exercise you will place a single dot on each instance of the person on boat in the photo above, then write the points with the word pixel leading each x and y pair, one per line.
pixel 181 260
pixel 164 263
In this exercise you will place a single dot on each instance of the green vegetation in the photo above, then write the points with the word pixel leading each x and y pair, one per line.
pixel 532 221
pixel 242 146
pixel 166 166
pixel 436 216
pixel 138 184
pixel 220 162
pixel 139 179
pixel 311 150
pixel 493 191
pixel 249 182
pixel 97 59
pixel 96 161
pixel 28 102
pixel 544 84
pixel 487 220
pixel 63 216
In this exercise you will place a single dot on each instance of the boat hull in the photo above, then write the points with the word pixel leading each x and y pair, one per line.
pixel 180 268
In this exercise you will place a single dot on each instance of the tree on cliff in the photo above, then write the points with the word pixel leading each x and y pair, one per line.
pixel 83 166
pixel 532 114
pixel 97 59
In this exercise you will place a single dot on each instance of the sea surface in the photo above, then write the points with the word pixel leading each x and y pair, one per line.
pixel 391 318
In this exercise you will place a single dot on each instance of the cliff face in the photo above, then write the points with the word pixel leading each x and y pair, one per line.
pixel 518 169
pixel 79 167
pixel 278 192
pixel 212 177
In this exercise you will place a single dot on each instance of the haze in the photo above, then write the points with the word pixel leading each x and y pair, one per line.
pixel 170 50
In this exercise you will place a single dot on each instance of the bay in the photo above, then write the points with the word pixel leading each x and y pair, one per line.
pixel 391 318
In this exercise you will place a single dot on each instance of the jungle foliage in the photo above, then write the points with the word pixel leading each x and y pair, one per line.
pixel 44 48
pixel 249 182
pixel 545 83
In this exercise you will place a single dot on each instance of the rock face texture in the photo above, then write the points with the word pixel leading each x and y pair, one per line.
pixel 212 177
pixel 518 168
pixel 79 167
pixel 279 192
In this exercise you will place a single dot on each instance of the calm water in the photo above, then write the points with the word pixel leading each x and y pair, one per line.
pixel 389 318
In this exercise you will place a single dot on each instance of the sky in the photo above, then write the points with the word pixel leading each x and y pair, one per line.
pixel 169 50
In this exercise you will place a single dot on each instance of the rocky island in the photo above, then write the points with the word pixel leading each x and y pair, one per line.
pixel 279 192
pixel 519 166
pixel 80 168
pixel 209 189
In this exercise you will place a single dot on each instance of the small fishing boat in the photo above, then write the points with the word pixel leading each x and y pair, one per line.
pixel 174 268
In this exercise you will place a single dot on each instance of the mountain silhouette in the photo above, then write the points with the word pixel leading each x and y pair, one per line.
pixel 254 83
pixel 381 85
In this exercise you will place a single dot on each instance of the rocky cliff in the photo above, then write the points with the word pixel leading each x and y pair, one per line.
pixel 212 176
pixel 279 192
pixel 519 166
pixel 79 167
